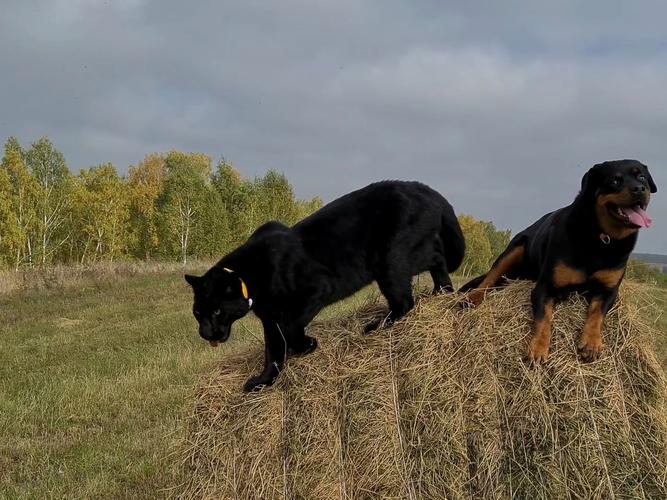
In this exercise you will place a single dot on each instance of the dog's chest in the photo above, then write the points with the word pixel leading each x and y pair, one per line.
pixel 566 276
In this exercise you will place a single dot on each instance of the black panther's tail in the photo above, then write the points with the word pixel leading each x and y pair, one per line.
pixel 452 240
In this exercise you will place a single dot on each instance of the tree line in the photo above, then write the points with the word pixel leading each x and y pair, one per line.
pixel 170 206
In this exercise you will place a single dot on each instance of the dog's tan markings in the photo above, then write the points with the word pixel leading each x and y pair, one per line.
pixel 610 278
pixel 506 264
pixel 608 224
pixel 590 343
pixel 538 349
pixel 565 275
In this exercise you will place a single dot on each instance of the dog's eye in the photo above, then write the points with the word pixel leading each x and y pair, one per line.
pixel 616 181
pixel 196 313
pixel 641 178
pixel 216 312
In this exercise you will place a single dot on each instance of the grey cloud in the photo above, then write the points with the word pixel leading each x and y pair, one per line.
pixel 500 105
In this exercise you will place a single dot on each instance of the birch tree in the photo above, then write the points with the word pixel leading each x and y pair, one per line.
pixel 9 231
pixel 183 200
pixel 103 212
pixel 478 248
pixel 146 183
pixel 22 197
pixel 47 165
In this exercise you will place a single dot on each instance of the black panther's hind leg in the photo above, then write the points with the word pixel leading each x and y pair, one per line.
pixel 397 290
pixel 441 280
pixel 301 344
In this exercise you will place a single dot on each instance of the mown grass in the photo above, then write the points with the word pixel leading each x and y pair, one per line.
pixel 94 379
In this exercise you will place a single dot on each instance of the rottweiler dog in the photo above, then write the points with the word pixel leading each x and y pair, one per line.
pixel 388 232
pixel 583 247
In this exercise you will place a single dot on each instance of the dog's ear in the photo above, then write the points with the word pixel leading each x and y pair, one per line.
pixel 193 281
pixel 651 184
pixel 588 182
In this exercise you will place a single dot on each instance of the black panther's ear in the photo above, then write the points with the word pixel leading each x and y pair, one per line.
pixel 651 184
pixel 192 280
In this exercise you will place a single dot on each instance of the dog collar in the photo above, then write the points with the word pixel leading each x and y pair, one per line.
pixel 605 238
pixel 244 288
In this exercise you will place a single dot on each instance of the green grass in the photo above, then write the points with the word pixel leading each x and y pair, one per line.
pixel 90 383
pixel 93 383
pixel 94 380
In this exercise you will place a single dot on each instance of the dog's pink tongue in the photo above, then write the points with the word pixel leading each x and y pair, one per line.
pixel 638 216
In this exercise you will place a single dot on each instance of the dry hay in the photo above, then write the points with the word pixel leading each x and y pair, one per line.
pixel 441 406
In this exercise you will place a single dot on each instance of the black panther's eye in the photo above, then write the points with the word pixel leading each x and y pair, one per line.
pixel 216 312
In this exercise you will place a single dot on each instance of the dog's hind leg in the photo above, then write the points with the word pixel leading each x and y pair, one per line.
pixel 472 284
pixel 505 266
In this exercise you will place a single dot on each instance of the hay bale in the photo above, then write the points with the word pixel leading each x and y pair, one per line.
pixel 441 406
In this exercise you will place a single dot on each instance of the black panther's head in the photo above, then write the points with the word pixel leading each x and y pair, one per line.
pixel 621 191
pixel 220 298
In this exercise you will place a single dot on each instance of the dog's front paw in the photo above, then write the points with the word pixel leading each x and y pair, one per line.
pixel 538 351
pixel 590 347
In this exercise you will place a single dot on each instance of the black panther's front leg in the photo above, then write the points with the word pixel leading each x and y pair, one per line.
pixel 287 337
pixel 275 350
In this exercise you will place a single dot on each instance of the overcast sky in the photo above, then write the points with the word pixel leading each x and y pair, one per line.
pixel 501 106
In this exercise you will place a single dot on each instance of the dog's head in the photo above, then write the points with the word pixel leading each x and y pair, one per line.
pixel 621 191
pixel 220 298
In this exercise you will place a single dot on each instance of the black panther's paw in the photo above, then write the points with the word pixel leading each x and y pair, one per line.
pixel 264 379
pixel 443 290
pixel 372 326
pixel 257 383
pixel 378 323
pixel 309 345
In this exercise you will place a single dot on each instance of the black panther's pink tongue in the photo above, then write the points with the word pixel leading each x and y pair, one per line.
pixel 638 216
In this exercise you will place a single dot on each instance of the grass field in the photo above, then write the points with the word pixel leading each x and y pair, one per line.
pixel 94 379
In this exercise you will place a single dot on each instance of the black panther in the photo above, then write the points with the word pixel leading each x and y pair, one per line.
pixel 388 232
